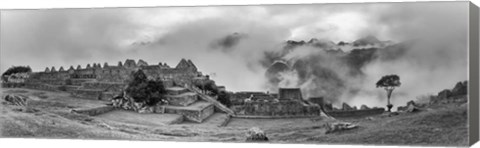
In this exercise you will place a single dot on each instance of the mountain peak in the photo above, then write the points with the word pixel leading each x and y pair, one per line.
pixel 367 40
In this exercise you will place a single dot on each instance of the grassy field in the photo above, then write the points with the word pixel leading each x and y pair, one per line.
pixel 48 115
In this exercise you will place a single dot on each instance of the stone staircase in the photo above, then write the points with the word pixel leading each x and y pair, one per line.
pixel 213 101
pixel 187 103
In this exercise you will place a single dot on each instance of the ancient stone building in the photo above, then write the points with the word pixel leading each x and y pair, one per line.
pixel 288 103
pixel 97 81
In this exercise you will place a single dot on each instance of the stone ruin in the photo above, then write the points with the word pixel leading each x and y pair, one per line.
pixel 255 134
pixel 410 107
pixel 288 103
pixel 457 94
pixel 97 82
pixel 346 110
pixel 104 83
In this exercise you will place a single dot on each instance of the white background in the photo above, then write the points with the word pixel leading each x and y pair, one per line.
pixel 67 143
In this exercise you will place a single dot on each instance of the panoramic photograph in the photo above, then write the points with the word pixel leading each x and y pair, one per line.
pixel 352 73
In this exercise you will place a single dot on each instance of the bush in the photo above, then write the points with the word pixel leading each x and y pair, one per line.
pixel 15 69
pixel 224 98
pixel 143 90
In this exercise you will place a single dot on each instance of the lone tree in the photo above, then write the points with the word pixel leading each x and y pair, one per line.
pixel 389 82
pixel 143 90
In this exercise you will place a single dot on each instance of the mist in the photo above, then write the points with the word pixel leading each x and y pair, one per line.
pixel 236 45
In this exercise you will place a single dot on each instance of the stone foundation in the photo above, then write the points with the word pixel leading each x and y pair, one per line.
pixel 79 82
pixel 12 85
pixel 196 112
pixel 282 108
pixel 41 86
pixel 355 113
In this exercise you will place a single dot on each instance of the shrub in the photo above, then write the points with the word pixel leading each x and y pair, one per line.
pixel 15 69
pixel 143 90
pixel 224 98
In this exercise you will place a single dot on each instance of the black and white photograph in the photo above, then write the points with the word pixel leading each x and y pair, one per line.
pixel 389 73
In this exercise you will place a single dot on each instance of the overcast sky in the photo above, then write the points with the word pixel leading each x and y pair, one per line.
pixel 64 37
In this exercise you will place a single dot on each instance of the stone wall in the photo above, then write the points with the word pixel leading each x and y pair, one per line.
pixel 355 113
pixel 239 98
pixel 281 108
pixel 117 74
pixel 196 113
pixel 78 82
pixel 12 85
pixel 105 86
pixel 41 86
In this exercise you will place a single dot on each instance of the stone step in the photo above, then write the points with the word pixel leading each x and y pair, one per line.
pixel 213 101
pixel 196 112
pixel 183 99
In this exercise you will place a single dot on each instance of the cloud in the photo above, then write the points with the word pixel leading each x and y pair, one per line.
pixel 64 37
pixel 432 57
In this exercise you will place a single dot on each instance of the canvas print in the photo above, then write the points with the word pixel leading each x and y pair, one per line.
pixel 360 73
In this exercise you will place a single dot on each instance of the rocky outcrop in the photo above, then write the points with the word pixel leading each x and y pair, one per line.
pixel 410 107
pixel 444 94
pixel 127 103
pixel 368 40
pixel 255 134
pixel 17 100
pixel 460 88
pixel 338 126
pixel 456 94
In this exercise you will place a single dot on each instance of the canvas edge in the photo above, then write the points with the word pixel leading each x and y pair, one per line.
pixel 473 101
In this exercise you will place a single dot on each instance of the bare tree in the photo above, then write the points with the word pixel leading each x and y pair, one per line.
pixel 389 82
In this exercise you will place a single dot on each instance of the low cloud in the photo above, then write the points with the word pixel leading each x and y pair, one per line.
pixel 230 42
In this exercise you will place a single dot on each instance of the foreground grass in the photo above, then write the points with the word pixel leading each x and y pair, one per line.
pixel 49 117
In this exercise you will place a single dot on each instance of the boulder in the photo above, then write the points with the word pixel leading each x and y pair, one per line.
pixel 411 108
pixel 391 114
pixel 125 102
pixel 17 100
pixel 338 126
pixel 460 88
pixel 444 94
pixel 255 134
